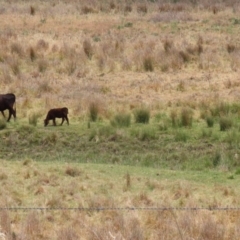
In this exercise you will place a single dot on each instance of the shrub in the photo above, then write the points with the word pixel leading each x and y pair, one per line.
pixel 93 111
pixel 121 120
pixel 142 115
pixel 225 123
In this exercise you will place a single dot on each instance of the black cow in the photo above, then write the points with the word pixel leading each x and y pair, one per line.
pixel 7 102
pixel 56 113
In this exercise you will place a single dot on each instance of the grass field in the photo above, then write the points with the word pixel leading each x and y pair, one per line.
pixel 152 89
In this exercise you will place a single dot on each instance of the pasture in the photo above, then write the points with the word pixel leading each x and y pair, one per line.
pixel 152 89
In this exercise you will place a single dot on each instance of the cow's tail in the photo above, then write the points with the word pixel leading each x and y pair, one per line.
pixel 15 108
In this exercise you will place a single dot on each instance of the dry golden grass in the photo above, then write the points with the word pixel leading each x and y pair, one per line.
pixel 125 54
pixel 64 185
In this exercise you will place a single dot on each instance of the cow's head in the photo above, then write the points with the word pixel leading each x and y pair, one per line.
pixel 46 122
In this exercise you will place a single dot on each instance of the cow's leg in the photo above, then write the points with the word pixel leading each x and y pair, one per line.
pixel 67 119
pixel 14 114
pixel 10 114
pixel 54 122
pixel 3 114
pixel 62 121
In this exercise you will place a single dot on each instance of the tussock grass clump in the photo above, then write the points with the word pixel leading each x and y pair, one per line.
pixel 32 54
pixel 185 56
pixel 93 111
pixel 142 8
pixel 32 227
pixel 128 181
pixel 174 117
pixel 14 64
pixel 168 7
pixel 44 87
pixel 27 162
pixel 87 9
pixel 209 121
pixel 168 45
pixel 33 119
pixel 220 109
pixel 42 65
pixel 112 5
pixel 5 221
pixel 225 123
pixel 186 117
pixel 51 138
pixel 3 176
pixel 216 158
pixel 144 133
pixel 230 47
pixel 71 66
pixel 6 76
pixel 142 115
pixel 233 138
pixel 32 10
pixel 148 64
pixel 17 49
pixel 3 123
pixel 73 172
pixel 181 136
pixel 42 45
pixel 88 48
pixel 121 120
pixel 67 233
pixel 127 8
pixel 24 130
pixel 206 133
